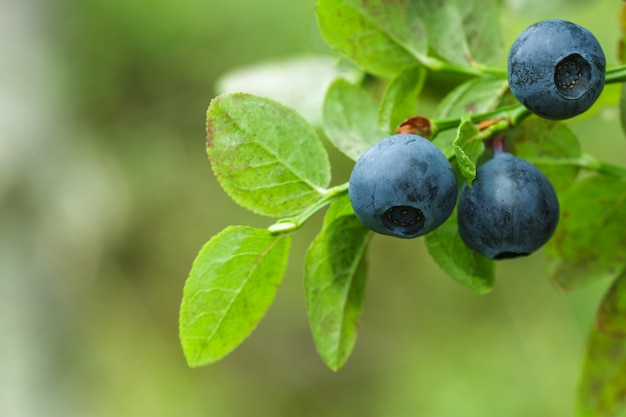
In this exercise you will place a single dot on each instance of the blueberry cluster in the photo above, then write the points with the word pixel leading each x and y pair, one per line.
pixel 404 186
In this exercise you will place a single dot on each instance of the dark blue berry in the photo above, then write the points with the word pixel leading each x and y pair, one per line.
pixel 403 186
pixel 556 69
pixel 511 209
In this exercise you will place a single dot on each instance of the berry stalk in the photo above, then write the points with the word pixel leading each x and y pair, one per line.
pixel 476 70
pixel 291 224
pixel 502 118
pixel 616 75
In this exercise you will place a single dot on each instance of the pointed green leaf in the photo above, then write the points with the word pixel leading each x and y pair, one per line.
pixel 335 276
pixel 383 37
pixel 355 36
pixel 548 145
pixel 463 31
pixel 350 118
pixel 602 392
pixel 400 98
pixel 232 283
pixel 466 266
pixel 589 242
pixel 265 155
pixel 467 148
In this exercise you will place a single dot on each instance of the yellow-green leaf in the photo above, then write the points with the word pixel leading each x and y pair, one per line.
pixel 231 285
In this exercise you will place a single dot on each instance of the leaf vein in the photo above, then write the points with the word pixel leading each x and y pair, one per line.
pixel 238 291
pixel 273 153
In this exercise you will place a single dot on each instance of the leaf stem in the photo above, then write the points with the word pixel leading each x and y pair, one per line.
pixel 615 74
pixel 476 70
pixel 590 162
pixel 585 161
pixel 512 115
pixel 291 224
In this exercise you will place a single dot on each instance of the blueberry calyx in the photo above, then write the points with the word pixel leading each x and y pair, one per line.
pixel 406 219
pixel 509 255
pixel 572 76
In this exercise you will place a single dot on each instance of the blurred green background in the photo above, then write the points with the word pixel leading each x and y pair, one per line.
pixel 106 195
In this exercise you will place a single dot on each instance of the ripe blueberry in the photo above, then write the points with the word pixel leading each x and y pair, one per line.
pixel 403 186
pixel 511 209
pixel 556 69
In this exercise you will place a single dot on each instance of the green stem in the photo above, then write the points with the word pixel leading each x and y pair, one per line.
pixel 513 115
pixel 613 75
pixel 592 163
pixel 291 224
pixel 585 161
pixel 476 70
pixel 518 114
pixel 616 74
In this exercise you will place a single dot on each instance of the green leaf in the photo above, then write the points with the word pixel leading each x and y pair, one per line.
pixel 384 37
pixel 468 147
pixel 477 95
pixel 400 20
pixel 355 36
pixel 266 156
pixel 610 317
pixel 400 98
pixel 232 283
pixel 602 391
pixel 589 242
pixel 549 145
pixel 464 32
pixel 335 276
pixel 350 118
pixel 466 266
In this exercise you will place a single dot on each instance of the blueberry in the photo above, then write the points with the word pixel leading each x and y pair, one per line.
pixel 403 186
pixel 556 69
pixel 511 209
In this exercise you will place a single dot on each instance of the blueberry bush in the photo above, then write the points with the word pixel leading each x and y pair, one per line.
pixel 490 175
